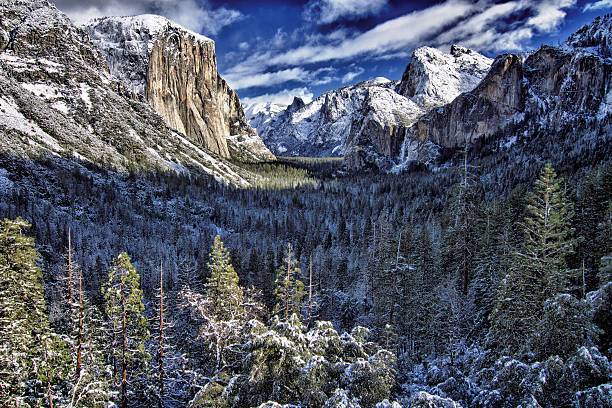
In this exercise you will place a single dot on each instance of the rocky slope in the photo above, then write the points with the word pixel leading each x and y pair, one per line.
pixel 57 98
pixel 544 92
pixel 175 71
pixel 357 121
pixel 431 79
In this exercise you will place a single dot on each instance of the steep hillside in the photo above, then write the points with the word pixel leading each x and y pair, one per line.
pixel 549 90
pixel 358 120
pixel 57 97
pixel 175 71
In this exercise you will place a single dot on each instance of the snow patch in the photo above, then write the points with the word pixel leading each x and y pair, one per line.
pixel 12 118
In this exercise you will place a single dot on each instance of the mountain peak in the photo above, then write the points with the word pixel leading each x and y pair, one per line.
pixel 151 24
pixel 434 78
pixel 596 36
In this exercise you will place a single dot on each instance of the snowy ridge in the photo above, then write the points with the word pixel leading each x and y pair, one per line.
pixel 595 37
pixel 59 100
pixel 433 78
pixel 321 127
pixel 324 126
pixel 127 43
pixel 260 114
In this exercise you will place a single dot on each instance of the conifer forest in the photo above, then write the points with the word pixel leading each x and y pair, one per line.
pixel 442 240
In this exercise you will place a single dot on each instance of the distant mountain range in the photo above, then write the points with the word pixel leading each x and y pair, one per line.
pixel 149 99
pixel 447 100
pixel 144 93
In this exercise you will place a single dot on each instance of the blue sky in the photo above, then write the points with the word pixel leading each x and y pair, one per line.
pixel 274 50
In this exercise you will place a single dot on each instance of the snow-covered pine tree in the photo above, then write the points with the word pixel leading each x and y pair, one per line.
pixel 289 290
pixel 29 351
pixel 222 285
pixel 537 271
pixel 125 310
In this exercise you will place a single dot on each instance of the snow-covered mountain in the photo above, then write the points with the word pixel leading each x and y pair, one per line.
pixel 58 99
pixel 175 71
pixel 433 78
pixel 550 90
pixel 321 127
pixel 260 114
pixel 352 120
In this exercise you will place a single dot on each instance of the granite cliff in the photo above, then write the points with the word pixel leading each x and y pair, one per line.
pixel 175 71
pixel 543 92
pixel 360 122
pixel 59 100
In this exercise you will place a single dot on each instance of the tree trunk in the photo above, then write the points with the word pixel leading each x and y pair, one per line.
pixel 80 341
pixel 124 352
pixel 70 275
pixel 310 292
pixel 161 336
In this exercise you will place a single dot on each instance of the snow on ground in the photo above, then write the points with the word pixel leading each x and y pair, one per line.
pixel 62 107
pixel 43 90
pixel 85 95
pixel 11 118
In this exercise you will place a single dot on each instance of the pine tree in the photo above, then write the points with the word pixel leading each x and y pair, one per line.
pixel 224 309
pixel 89 385
pixel 289 290
pixel 538 270
pixel 222 285
pixel 125 308
pixel 29 350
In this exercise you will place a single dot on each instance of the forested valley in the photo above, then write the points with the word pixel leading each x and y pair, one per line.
pixel 474 284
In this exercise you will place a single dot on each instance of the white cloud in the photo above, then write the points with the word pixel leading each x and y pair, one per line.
pixel 266 79
pixel 196 15
pixel 349 76
pixel 549 14
pixel 284 97
pixel 598 5
pixel 396 34
pixel 487 31
pixel 328 11
pixel 320 76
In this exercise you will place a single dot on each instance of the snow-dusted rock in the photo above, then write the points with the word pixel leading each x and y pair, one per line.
pixel 433 78
pixel 360 122
pixel 596 37
pixel 544 91
pixel 58 98
pixel 175 70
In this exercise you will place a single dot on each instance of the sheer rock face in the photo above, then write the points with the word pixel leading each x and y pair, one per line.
pixel 432 79
pixel 175 70
pixel 496 99
pixel 183 87
pixel 365 122
pixel 58 98
pixel 551 86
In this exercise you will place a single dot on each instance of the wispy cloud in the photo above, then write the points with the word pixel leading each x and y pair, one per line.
pixel 284 97
pixel 266 79
pixel 397 35
pixel 349 76
pixel 196 15
pixel 482 25
pixel 598 5
pixel 488 29
pixel 328 11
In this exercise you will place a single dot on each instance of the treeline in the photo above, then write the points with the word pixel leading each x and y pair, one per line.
pixel 507 277
pixel 118 353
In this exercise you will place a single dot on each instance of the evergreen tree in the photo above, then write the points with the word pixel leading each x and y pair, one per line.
pixel 538 270
pixel 222 285
pixel 29 351
pixel 224 310
pixel 129 327
pixel 289 290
